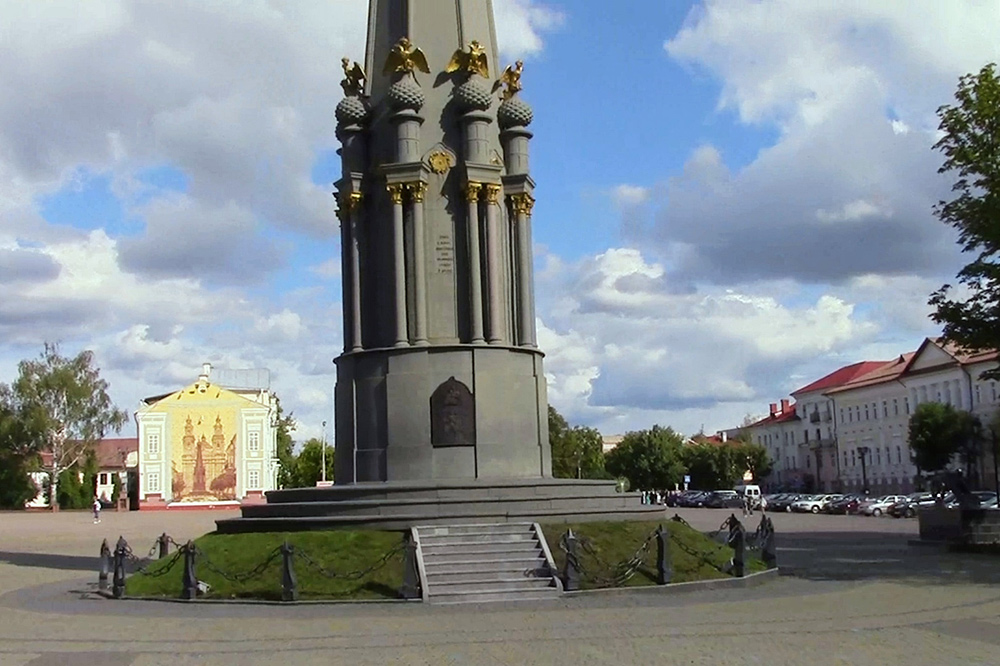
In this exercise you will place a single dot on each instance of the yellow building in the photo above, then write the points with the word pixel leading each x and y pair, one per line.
pixel 207 444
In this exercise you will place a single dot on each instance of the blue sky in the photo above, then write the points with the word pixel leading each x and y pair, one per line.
pixel 733 196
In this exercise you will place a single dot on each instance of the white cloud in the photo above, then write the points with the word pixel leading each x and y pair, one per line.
pixel 630 195
pixel 520 24
pixel 624 349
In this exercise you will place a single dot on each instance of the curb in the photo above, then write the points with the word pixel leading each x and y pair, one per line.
pixel 750 580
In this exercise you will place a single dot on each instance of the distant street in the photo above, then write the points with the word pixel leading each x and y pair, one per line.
pixel 853 590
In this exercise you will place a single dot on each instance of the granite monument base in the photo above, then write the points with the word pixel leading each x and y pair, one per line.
pixel 397 505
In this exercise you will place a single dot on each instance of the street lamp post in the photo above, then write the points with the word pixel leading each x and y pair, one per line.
pixel 863 450
pixel 323 455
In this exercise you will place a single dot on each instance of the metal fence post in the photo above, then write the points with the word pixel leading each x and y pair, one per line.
pixel 289 584
pixel 190 581
pixel 769 551
pixel 571 571
pixel 411 574
pixel 664 565
pixel 739 549
pixel 118 581
pixel 163 541
pixel 105 560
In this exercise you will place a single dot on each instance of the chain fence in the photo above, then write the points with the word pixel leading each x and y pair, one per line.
pixel 123 561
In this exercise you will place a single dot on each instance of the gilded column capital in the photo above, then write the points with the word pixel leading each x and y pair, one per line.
pixel 522 203
pixel 349 201
pixel 417 190
pixel 492 194
pixel 395 191
pixel 472 189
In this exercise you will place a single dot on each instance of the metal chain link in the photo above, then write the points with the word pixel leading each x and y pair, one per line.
pixel 143 569
pixel 351 575
pixel 239 578
pixel 622 571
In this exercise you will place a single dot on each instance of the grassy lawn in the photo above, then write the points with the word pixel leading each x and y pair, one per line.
pixel 338 551
pixel 615 542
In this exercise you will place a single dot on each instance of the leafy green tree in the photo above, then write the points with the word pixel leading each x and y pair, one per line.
pixel 649 459
pixel 19 439
pixel 284 427
pixel 755 460
pixel 936 432
pixel 970 143
pixel 308 466
pixel 703 464
pixel 577 452
pixel 69 401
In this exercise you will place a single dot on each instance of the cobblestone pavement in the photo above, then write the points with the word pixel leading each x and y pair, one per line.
pixel 859 594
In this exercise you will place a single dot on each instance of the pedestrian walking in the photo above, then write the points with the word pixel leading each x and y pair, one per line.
pixel 97 509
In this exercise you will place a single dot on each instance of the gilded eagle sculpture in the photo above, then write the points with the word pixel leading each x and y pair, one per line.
pixel 511 78
pixel 354 78
pixel 473 60
pixel 405 57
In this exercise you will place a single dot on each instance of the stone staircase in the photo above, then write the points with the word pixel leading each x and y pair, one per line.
pixel 483 563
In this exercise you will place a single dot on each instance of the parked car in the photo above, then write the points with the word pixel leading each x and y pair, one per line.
pixel 784 503
pixel 981 495
pixel 724 499
pixel 907 507
pixel 878 507
pixel 844 505
pixel 807 504
pixel 695 499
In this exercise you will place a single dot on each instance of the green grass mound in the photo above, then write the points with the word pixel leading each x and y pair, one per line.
pixel 606 546
pixel 336 552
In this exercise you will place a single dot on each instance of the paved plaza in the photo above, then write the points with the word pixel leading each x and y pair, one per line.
pixel 853 591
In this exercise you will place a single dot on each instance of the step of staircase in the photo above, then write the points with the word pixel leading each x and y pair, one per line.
pixel 478 563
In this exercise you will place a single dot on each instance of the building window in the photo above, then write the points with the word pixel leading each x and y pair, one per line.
pixel 841 414
pixel 907 401
pixel 805 436
pixel 993 391
pixel 819 434
pixel 808 463
pixel 103 479
pixel 878 456
pixel 885 408
pixel 845 458
pixel 850 415
pixel 978 396
pixel 899 454
pixel 866 412
pixel 895 406
pixel 153 482
pixel 253 441
pixel 854 458
pixel 253 480
pixel 153 444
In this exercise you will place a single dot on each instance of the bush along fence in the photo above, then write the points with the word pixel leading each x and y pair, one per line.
pixel 191 557
pixel 584 563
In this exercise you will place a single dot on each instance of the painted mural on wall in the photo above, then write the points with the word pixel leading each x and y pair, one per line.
pixel 203 460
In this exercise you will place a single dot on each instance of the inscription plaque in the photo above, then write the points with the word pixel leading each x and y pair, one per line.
pixel 444 254
pixel 453 415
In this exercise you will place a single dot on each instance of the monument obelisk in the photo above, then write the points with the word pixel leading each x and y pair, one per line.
pixel 441 376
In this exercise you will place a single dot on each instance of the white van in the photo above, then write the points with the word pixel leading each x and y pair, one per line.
pixel 753 492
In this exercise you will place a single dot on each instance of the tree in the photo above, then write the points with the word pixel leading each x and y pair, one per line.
pixel 935 432
pixel 756 460
pixel 307 469
pixel 18 441
pixel 69 401
pixel 649 459
pixel 577 452
pixel 284 427
pixel 970 143
pixel 703 464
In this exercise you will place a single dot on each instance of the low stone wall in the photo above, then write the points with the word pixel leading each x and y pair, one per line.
pixel 980 527
pixel 940 524
pixel 970 526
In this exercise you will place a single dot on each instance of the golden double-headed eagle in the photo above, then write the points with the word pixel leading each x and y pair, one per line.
pixel 354 78
pixel 473 60
pixel 405 57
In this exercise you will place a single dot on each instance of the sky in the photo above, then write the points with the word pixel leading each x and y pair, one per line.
pixel 734 197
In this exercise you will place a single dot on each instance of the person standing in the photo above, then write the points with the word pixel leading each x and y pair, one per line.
pixel 97 509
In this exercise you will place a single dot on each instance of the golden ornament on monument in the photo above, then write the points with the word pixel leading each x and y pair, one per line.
pixel 440 161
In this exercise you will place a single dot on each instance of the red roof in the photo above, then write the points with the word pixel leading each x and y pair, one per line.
pixel 842 376
pixel 109 452
pixel 780 417
pixel 887 372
